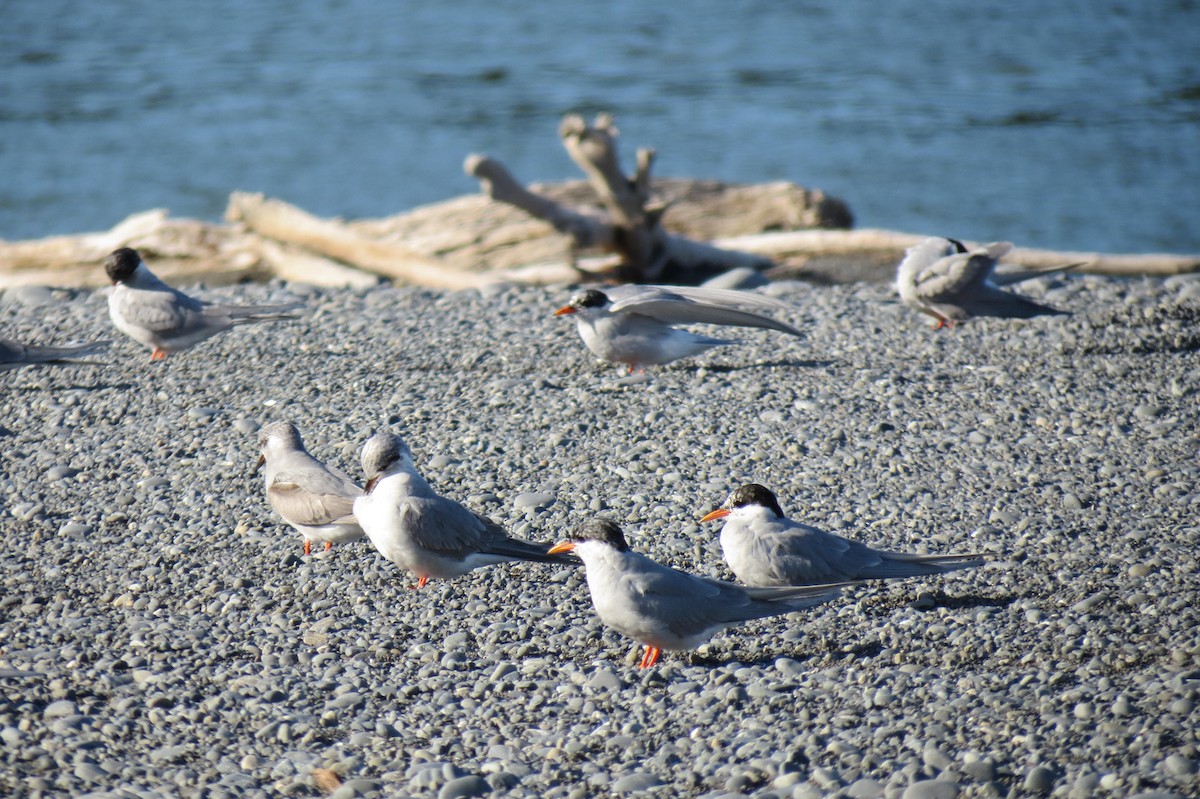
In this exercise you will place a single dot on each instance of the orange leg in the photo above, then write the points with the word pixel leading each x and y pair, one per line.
pixel 328 545
pixel 650 657
pixel 307 547
pixel 158 354
pixel 941 320
pixel 420 584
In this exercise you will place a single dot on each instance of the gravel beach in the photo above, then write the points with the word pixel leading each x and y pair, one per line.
pixel 161 633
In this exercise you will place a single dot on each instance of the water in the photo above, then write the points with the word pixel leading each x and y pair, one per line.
pixel 1070 125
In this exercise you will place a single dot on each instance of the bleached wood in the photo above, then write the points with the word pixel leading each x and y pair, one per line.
pixel 300 266
pixel 287 223
pixel 70 251
pixel 587 230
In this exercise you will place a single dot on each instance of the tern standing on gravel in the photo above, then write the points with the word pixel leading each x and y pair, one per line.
pixel 165 319
pixel 662 608
pixel 943 279
pixel 314 499
pixel 14 354
pixel 633 324
pixel 764 547
pixel 424 533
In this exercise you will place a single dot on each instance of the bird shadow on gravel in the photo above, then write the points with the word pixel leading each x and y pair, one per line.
pixel 797 364
pixel 1169 327
pixel 802 653
pixel 75 387
pixel 937 599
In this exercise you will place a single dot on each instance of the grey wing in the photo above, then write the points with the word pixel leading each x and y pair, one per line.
pixel 813 556
pixel 300 506
pixel 684 305
pixel 443 526
pixel 497 541
pixel 11 351
pixel 959 273
pixel 1012 278
pixel 312 475
pixel 156 311
pixel 952 275
pixel 806 556
pixel 687 604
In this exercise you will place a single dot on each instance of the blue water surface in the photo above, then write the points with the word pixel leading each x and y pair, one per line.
pixel 1068 125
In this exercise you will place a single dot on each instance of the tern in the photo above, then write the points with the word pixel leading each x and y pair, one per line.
pixel 424 533
pixel 633 324
pixel 944 279
pixel 314 499
pixel 764 547
pixel 663 608
pixel 165 319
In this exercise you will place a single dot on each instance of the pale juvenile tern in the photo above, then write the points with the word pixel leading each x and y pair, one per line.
pixel 944 279
pixel 424 533
pixel 316 500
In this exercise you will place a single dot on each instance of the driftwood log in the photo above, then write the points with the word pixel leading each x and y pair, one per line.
pixel 630 226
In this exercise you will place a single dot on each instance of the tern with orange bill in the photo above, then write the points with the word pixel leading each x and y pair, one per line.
pixel 663 608
pixel 764 547
pixel 633 325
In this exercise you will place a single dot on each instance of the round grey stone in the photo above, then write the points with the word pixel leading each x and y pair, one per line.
pixel 461 787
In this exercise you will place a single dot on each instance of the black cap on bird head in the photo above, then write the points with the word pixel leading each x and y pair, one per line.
pixel 754 494
pixel 592 298
pixel 121 264
pixel 600 529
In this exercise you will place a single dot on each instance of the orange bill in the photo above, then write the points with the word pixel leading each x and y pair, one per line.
pixel 719 513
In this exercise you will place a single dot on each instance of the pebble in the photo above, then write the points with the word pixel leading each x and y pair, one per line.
pixel 532 499
pixel 1179 765
pixel 60 709
pixel 462 787
pixel 29 296
pixel 1039 780
pixel 636 782
pixel 931 789
pixel 60 472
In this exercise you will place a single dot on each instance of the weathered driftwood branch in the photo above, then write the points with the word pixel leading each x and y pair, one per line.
pixel 633 228
pixel 293 263
pixel 586 230
pixel 182 250
pixel 62 251
pixel 796 248
pixel 278 220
